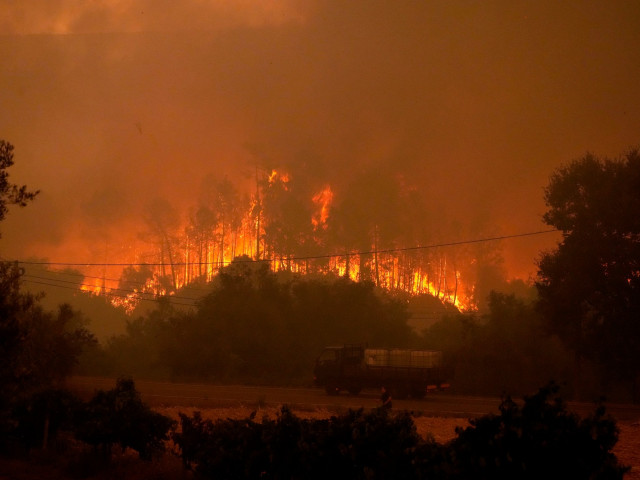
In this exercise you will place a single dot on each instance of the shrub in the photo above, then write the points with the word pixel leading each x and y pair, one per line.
pixel 222 449
pixel 120 417
pixel 356 445
pixel 541 439
pixel 39 417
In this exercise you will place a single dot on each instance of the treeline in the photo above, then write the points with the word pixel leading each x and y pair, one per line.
pixel 259 326
pixel 541 438
pixel 504 350
pixel 254 326
pixel 299 224
pixel 263 327
pixel 250 306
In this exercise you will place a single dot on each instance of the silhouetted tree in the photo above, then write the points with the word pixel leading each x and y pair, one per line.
pixel 135 278
pixel 201 234
pixel 287 214
pixel 540 439
pixel 503 350
pixel 11 194
pixel 366 218
pixel 260 326
pixel 38 348
pixel 120 417
pixel 226 202
pixel 40 417
pixel 589 286
pixel 162 220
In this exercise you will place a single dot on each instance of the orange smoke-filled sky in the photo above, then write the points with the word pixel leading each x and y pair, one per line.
pixel 112 103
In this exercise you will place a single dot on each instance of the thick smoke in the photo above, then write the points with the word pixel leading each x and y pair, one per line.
pixel 113 104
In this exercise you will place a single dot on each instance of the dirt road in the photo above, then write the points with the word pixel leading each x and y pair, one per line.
pixel 438 404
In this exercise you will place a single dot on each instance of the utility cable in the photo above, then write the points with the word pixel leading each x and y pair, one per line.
pixel 128 291
pixel 298 258
pixel 168 297
pixel 69 274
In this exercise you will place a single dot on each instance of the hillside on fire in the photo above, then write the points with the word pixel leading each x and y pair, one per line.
pixel 378 229
pixel 384 205
pixel 263 318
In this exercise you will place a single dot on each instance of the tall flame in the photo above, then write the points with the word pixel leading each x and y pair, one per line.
pixel 275 175
pixel 197 256
pixel 322 200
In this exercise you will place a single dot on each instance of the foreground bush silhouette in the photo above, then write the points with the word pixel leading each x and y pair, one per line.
pixel 119 417
pixel 356 445
pixel 40 417
pixel 541 439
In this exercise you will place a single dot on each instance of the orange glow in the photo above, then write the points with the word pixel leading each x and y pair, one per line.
pixel 275 175
pixel 418 282
pixel 96 287
pixel 200 262
pixel 322 200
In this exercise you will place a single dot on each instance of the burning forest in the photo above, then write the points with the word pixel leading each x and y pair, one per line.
pixel 300 226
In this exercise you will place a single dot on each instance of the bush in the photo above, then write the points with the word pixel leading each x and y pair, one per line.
pixel 40 417
pixel 120 417
pixel 542 439
pixel 357 445
pixel 224 449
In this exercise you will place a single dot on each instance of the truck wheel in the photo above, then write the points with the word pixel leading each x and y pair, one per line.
pixel 332 390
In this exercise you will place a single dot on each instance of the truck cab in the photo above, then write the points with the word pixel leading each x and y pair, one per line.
pixel 337 368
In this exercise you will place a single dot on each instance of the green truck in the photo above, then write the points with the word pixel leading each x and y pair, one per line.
pixel 402 371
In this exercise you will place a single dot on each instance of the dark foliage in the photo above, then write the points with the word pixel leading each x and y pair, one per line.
pixel 259 326
pixel 119 417
pixel 38 348
pixel 541 439
pixel 504 350
pixel 356 445
pixel 10 194
pixel 589 286
pixel 222 449
pixel 40 417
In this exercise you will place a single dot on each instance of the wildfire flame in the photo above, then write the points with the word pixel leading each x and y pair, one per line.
pixel 322 200
pixel 275 176
pixel 97 287
pixel 198 257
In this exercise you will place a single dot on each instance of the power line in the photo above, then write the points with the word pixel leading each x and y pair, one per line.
pixel 84 277
pixel 168 297
pixel 437 245
pixel 310 257
pixel 128 291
